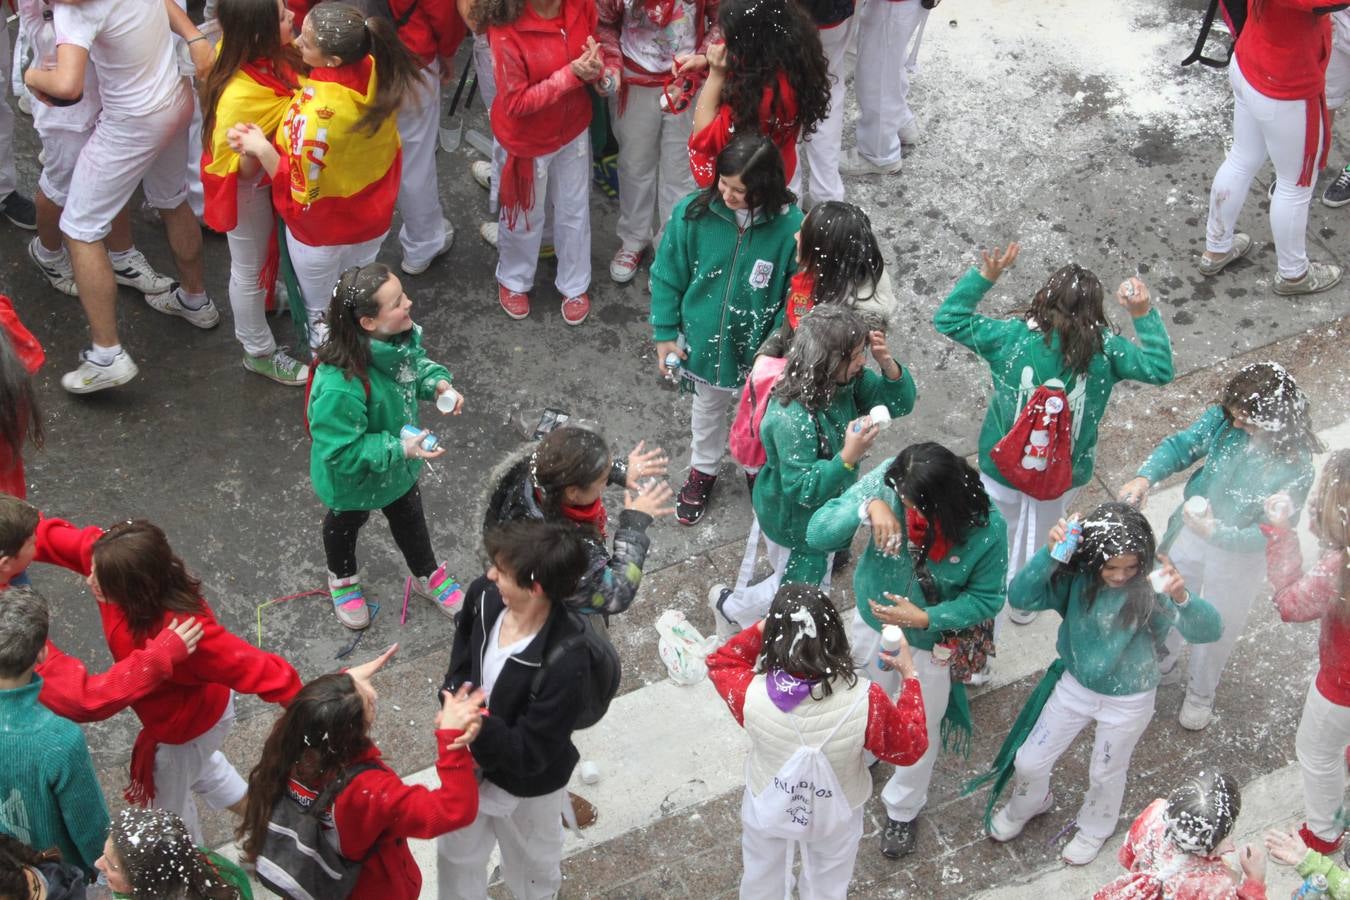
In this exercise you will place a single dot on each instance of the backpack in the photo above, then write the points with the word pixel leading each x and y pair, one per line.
pixel 804 801
pixel 1234 15
pixel 744 441
pixel 297 860
pixel 1036 455
pixel 605 670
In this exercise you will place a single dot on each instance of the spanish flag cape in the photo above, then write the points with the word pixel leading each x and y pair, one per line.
pixel 336 185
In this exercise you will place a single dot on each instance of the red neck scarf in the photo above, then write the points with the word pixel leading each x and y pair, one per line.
pixel 800 299
pixel 917 526
pixel 592 514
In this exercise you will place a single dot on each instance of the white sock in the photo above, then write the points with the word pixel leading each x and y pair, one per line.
pixel 118 256
pixel 103 356
pixel 191 300
pixel 49 256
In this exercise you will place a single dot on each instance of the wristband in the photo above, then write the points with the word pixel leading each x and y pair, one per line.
pixel 200 37
pixel 852 467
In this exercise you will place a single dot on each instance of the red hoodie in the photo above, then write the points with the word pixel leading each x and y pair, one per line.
pixel 778 122
pixel 433 27
pixel 1317 595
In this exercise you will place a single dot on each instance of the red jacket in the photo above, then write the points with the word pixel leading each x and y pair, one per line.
pixel 377 813
pixel 1284 48
pixel 1317 595
pixel 434 28
pixel 778 122
pixel 31 355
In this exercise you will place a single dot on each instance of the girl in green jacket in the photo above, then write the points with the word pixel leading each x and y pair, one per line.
pixel 936 564
pixel 372 371
pixel 815 430
pixel 718 283
pixel 1062 339
pixel 1255 441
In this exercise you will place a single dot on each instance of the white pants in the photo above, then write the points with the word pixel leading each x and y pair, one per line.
pixel 9 179
pixel 1029 523
pixel 710 425
pixel 821 150
pixel 419 196
pixel 1120 722
pixel 748 603
pixel 150 149
pixel 865 643
pixel 61 149
pixel 827 863
pixel 1338 67
pixel 1263 128
pixel 482 67
pixel 248 255
pixel 528 832
pixel 562 182
pixel 317 270
pixel 907 791
pixel 198 767
pixel 1323 734
pixel 653 164
pixel 1230 582
pixel 886 59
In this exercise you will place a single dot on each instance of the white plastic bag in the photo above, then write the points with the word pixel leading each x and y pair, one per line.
pixel 683 649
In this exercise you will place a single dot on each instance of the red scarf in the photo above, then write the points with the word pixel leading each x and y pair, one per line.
pixel 801 297
pixel 592 514
pixel 917 526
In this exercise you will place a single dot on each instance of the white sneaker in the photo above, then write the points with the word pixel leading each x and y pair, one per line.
pixel 488 232
pixel 982 677
pixel 851 163
pixel 170 303
pixel 1022 616
pixel 135 271
pixel 726 628
pixel 91 377
pixel 1003 827
pixel 481 170
pixel 25 104
pixel 910 133
pixel 624 265
pixel 414 269
pixel 42 159
pixel 60 273
pixel 1195 714
pixel 1081 850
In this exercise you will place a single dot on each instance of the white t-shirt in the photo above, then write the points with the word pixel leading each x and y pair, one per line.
pixel 495 656
pixel 79 117
pixel 129 44
pixel 652 47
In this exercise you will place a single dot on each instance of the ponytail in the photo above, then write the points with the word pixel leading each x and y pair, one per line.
pixel 396 73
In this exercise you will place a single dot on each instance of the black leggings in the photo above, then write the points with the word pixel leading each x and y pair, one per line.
pixel 406 523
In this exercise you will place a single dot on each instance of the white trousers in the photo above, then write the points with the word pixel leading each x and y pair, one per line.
pixel 317 270
pixel 653 164
pixel 562 182
pixel 907 791
pixel 1323 735
pixel 198 768
pixel 827 862
pixel 710 425
pixel 248 255
pixel 821 150
pixel 1120 722
pixel 1029 523
pixel 1263 128
pixel 889 33
pixel 748 603
pixel 865 643
pixel 61 148
pixel 482 67
pixel 1230 582
pixel 9 179
pixel 530 838
pixel 419 196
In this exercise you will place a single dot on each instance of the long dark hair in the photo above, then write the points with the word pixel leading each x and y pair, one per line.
pixel 344 31
pixel 250 31
pixel 825 340
pixel 1202 811
pixel 840 252
pixel 756 161
pixel 322 731
pixel 138 570
pixel 22 417
pixel 764 38
pixel 15 858
pixel 160 859
pixel 1265 394
pixel 496 12
pixel 804 637
pixel 1069 304
pixel 1110 530
pixel 568 456
pixel 348 344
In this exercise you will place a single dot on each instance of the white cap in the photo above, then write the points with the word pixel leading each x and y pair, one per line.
pixel 892 637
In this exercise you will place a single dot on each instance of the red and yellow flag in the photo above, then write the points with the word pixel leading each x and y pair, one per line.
pixel 254 94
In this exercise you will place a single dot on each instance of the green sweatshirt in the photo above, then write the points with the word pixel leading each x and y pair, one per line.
pixel 356 460
pixel 49 795
pixel 795 480
pixel 971 578
pixel 722 286
pixel 1020 361
pixel 1338 880
pixel 1096 649
pixel 1236 478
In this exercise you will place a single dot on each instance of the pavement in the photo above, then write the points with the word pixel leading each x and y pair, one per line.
pixel 1071 130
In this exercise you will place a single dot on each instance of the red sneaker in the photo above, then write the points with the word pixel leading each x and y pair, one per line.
pixel 514 304
pixel 576 309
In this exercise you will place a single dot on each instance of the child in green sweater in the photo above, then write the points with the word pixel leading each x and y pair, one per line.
pixel 49 796
pixel 1257 440
pixel 1288 849
pixel 1062 339
pixel 1116 612
pixel 718 282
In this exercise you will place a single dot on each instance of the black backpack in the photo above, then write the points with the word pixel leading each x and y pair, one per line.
pixel 1235 14
pixel 605 670
pixel 296 860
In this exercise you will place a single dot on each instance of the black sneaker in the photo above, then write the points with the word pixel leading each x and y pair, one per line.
pixel 841 560
pixel 1338 192
pixel 20 211
pixel 693 499
pixel 899 838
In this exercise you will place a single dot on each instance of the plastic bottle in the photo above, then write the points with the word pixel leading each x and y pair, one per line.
pixel 448 400
pixel 892 639
pixel 1064 550
pixel 673 359
pixel 1156 578
pixel 1315 885
pixel 44 52
pixel 1197 506
pixel 880 416
pixel 429 443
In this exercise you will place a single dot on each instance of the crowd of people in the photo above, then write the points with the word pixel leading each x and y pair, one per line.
pixel 297 129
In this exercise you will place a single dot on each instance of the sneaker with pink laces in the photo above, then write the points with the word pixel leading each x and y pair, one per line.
pixel 514 303
pixel 349 603
pixel 440 588
pixel 623 267
pixel 576 309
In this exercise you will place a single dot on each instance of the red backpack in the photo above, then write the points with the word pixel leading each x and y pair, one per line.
pixel 744 443
pixel 1036 455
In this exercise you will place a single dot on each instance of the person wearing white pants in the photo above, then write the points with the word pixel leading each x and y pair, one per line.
pixel 317 270
pixel 13 205
pixel 889 34
pixel 1028 520
pixel 827 864
pixel 1337 193
pixel 750 602
pixel 527 830
pixel 1320 745
pixel 426 233
pixel 710 425
pixel 198 769
pixel 821 149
